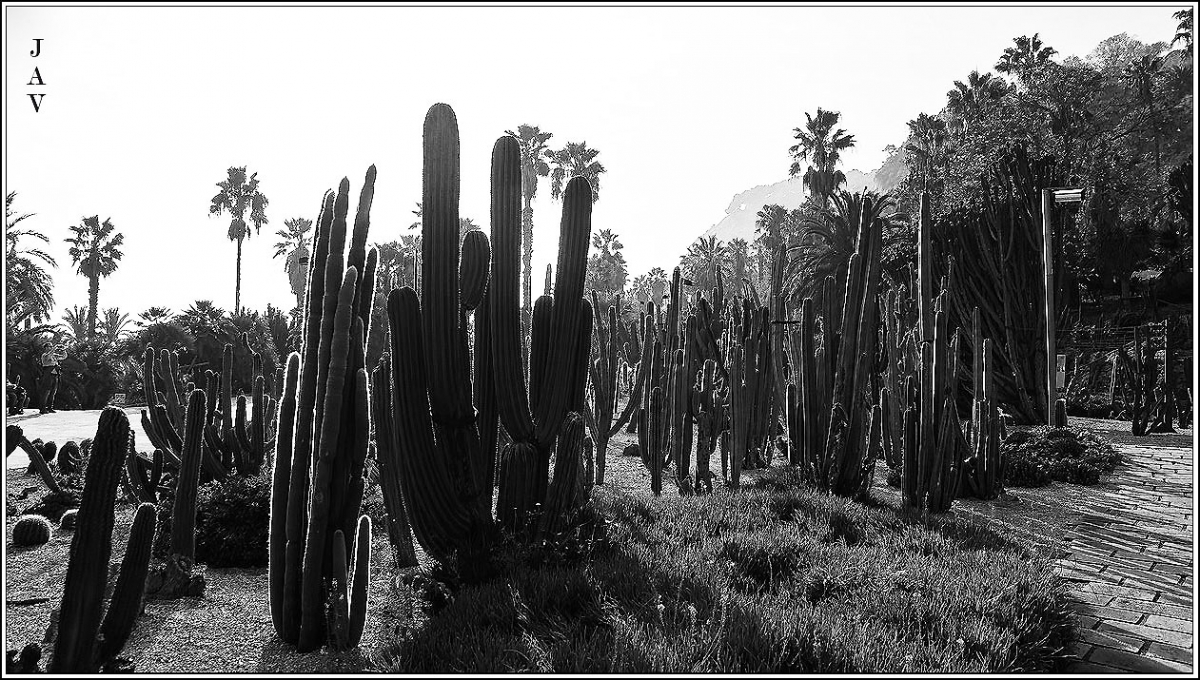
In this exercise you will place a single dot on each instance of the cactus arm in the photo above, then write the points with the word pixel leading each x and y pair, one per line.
pixel 281 475
pixel 126 603
pixel 40 464
pixel 360 585
pixel 357 257
pixel 183 520
pixel 512 396
pixel 487 407
pixel 387 450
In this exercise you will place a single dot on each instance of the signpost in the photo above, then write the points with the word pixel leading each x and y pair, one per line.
pixel 1052 196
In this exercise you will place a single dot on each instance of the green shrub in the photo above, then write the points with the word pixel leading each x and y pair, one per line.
pixel 1065 454
pixel 32 530
pixel 1088 405
pixel 232 517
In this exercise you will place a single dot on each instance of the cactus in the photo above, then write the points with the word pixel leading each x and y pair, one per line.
pixel 566 494
pixel 69 458
pixel 533 412
pixel 712 416
pixel 183 511
pixel 163 417
pixel 603 369
pixel 984 472
pixel 31 530
pixel 83 642
pixel 14 433
pixel 350 587
pixel 68 520
pixel 317 485
pixel 387 450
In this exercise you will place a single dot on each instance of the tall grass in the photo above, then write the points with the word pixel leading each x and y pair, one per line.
pixel 777 579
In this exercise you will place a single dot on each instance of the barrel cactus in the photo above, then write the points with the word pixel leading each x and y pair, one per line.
pixel 67 523
pixel 32 530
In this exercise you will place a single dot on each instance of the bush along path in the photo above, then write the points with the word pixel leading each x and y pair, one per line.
pixel 1127 557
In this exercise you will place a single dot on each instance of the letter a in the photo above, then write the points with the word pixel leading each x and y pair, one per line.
pixel 37 75
pixel 37 101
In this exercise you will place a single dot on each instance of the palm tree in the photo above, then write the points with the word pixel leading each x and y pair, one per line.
pixel 1183 32
pixel 705 259
pixel 739 253
pixel 828 240
pixel 927 145
pixel 75 320
pixel 237 195
pixel 292 244
pixel 28 291
pixel 115 325
pixel 95 252
pixel 1027 57
pixel 821 146
pixel 152 316
pixel 606 269
pixel 534 154
pixel 968 99
pixel 575 160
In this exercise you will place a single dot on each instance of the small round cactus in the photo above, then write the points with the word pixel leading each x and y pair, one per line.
pixel 85 446
pixel 67 523
pixel 32 530
pixel 49 450
pixel 69 458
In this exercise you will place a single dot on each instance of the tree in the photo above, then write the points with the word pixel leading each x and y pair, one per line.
pixel 968 100
pixel 534 154
pixel 28 290
pixel 829 238
pixel 293 246
pixel 705 259
pixel 927 148
pixel 114 325
pixel 1142 76
pixel 75 320
pixel 237 195
pixel 95 251
pixel 1183 32
pixel 739 255
pixel 821 146
pixel 606 268
pixel 643 285
pixel 1023 60
pixel 152 316
pixel 575 160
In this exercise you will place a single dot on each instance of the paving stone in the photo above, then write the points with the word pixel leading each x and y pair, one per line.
pixel 1168 568
pixel 1110 613
pixel 1099 638
pixel 1118 591
pixel 1086 667
pixel 1168 623
pixel 1170 653
pixel 1173 598
pixel 1168 637
pixel 1159 608
pixel 1135 663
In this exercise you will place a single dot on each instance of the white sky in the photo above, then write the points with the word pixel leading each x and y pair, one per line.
pixel 145 108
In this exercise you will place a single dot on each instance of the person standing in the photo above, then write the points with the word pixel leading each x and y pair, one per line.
pixel 53 354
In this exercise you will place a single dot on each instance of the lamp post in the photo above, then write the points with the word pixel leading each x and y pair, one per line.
pixel 1052 196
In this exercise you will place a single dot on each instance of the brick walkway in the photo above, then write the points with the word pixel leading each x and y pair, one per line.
pixel 1129 556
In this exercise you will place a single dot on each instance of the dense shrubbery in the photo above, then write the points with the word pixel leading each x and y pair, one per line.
pixel 1065 454
pixel 1089 406
pixel 232 518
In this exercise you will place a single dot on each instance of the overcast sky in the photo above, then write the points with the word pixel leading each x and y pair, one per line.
pixel 146 108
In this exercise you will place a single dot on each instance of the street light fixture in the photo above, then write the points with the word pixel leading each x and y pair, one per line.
pixel 1052 196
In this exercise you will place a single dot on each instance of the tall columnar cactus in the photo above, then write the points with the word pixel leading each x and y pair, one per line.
pixel 533 412
pixel 183 512
pixel 236 440
pixel 712 415
pixel 749 390
pixel 566 494
pixel 87 637
pixel 348 608
pixel 387 453
pixel 984 473
pixel 317 486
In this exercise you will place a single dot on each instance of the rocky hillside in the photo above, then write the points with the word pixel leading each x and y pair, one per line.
pixel 742 211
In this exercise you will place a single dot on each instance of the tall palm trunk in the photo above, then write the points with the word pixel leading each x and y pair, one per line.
pixel 237 294
pixel 93 303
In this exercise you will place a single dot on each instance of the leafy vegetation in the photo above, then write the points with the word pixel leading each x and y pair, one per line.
pixel 1062 454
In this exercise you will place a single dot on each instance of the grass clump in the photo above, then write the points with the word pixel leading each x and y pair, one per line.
pixel 769 580
pixel 1064 454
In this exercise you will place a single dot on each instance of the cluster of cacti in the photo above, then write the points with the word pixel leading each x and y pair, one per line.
pixel 933 444
pixel 165 392
pixel 48 450
pixel 750 390
pixel 711 406
pixel 317 485
pixel 31 530
pixel 984 474
pixel 387 454
pixel 87 636
pixel 602 367
pixel 17 437
pixel 235 441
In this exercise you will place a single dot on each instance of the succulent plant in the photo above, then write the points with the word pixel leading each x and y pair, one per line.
pixel 32 530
